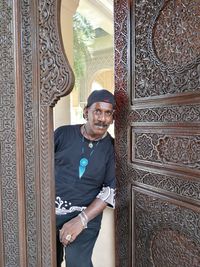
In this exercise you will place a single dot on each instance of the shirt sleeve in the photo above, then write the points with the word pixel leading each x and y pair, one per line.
pixel 107 193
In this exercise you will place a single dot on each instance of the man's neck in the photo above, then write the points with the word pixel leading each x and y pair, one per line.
pixel 92 137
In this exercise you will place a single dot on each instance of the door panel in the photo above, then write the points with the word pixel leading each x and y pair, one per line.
pixel 157 59
pixel 165 230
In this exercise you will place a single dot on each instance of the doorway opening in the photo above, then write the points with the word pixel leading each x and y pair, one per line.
pixel 88 37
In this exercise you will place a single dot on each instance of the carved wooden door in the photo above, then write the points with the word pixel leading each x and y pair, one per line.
pixel 34 74
pixel 158 135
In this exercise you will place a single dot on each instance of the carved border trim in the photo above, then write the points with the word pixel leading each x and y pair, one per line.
pixel 189 188
pixel 121 27
pixel 32 223
pixel 56 80
pixel 9 221
pixel 172 114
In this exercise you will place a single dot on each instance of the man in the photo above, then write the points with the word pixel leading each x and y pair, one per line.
pixel 85 179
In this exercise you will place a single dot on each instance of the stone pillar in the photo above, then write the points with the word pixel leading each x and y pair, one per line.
pixel 68 9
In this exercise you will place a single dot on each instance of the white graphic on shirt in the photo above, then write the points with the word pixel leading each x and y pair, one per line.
pixel 65 207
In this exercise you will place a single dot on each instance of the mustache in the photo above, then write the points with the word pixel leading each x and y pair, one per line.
pixel 101 125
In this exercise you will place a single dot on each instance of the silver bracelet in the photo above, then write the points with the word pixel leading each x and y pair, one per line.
pixel 84 219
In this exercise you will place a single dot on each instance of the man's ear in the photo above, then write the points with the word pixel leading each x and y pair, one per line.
pixel 113 117
pixel 85 113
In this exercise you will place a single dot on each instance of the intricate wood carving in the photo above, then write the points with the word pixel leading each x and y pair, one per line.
pixel 172 21
pixel 163 226
pixel 121 76
pixel 163 64
pixel 9 234
pixel 182 246
pixel 46 184
pixel 34 74
pixel 56 80
pixel 32 223
pixel 56 76
pixel 175 150
pixel 187 187
pixel 157 136
pixel 180 150
pixel 173 114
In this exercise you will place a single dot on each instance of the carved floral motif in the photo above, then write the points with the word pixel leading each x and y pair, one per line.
pixel 181 151
pixel 176 35
pixel 170 248
pixel 163 229
pixel 167 60
pixel 144 146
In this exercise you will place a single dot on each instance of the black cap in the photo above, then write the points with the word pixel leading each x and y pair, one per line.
pixel 102 95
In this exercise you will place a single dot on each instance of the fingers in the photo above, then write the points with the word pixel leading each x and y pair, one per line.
pixel 70 231
pixel 68 237
pixel 65 238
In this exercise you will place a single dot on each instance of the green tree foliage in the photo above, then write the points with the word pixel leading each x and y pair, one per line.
pixel 84 35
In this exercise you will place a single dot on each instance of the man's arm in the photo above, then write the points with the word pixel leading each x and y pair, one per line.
pixel 75 226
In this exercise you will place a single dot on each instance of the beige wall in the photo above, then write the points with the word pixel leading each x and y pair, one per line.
pixel 68 8
pixel 103 255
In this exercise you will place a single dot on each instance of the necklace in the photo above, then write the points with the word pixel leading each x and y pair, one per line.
pixel 84 131
pixel 90 144
pixel 84 161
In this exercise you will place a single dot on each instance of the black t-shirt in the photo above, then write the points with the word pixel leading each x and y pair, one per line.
pixel 74 193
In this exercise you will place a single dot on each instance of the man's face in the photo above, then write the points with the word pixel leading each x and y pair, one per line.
pixel 100 116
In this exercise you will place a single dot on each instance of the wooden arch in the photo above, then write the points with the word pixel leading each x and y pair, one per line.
pixel 34 74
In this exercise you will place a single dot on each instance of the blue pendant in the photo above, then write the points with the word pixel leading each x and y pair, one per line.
pixel 82 166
